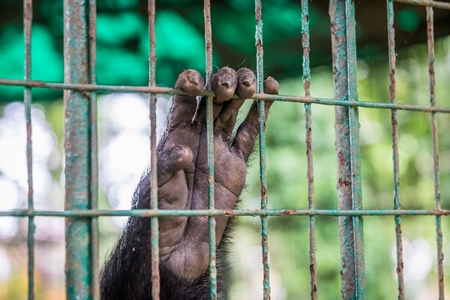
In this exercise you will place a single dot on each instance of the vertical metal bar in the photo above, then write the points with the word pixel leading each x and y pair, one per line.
pixel 28 20
pixel 210 145
pixel 309 156
pixel 262 148
pixel 153 152
pixel 77 151
pixel 347 146
pixel 395 152
pixel 434 132
pixel 355 154
pixel 336 11
pixel 94 149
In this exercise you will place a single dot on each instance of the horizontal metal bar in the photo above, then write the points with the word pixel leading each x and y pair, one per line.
pixel 172 91
pixel 443 5
pixel 222 212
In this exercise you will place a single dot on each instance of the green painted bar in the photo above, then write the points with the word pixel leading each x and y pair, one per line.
pixel 340 73
pixel 210 151
pixel 395 151
pixel 258 96
pixel 94 151
pixel 355 153
pixel 223 212
pixel 262 147
pixel 347 146
pixel 77 151
pixel 309 155
pixel 27 97
pixel 435 142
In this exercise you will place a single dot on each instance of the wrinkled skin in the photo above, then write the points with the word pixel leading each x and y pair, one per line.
pixel 183 184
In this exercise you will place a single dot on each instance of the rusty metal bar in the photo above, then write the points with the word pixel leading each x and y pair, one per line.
pixel 94 150
pixel 355 153
pixel 27 24
pixel 210 149
pixel 434 138
pixel 223 212
pixel 309 155
pixel 337 15
pixel 262 148
pixel 153 152
pixel 77 151
pixel 347 146
pixel 436 4
pixel 257 96
pixel 395 152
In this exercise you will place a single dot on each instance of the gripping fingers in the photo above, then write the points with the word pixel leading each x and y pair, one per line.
pixel 247 132
pixel 246 88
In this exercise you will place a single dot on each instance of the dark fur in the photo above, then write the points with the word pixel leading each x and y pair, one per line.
pixel 127 272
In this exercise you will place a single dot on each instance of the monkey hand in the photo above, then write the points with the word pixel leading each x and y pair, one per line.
pixel 183 165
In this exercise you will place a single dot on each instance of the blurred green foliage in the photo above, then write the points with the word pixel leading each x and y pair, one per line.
pixel 287 186
pixel 122 38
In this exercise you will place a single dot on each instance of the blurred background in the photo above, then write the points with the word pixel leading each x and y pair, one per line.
pixel 122 59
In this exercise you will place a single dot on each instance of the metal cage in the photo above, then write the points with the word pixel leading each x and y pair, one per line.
pixel 81 152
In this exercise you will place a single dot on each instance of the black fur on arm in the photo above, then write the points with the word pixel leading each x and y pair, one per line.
pixel 127 272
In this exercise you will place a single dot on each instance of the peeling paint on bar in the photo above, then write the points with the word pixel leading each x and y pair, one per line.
pixel 342 147
pixel 223 212
pixel 94 150
pixel 434 139
pixel 262 147
pixel 395 152
pixel 355 153
pixel 77 147
pixel 257 96
pixel 347 148
pixel 309 155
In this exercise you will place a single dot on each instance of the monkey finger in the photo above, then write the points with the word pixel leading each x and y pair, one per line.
pixel 248 130
pixel 184 107
pixel 246 88
pixel 223 84
pixel 172 160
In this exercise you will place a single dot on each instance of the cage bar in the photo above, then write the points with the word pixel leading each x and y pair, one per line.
pixel 94 149
pixel 342 147
pixel 395 152
pixel 257 96
pixel 262 148
pixel 210 151
pixel 27 96
pixel 434 138
pixel 77 151
pixel 155 280
pixel 347 147
pixel 436 4
pixel 309 155
pixel 224 212
pixel 355 154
